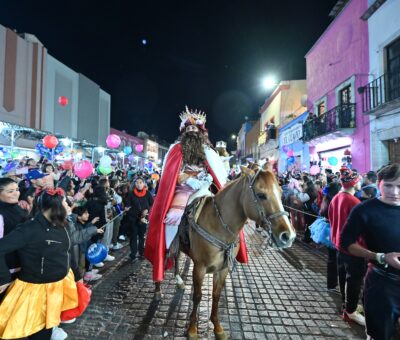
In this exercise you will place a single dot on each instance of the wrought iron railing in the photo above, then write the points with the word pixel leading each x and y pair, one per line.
pixel 340 117
pixel 381 91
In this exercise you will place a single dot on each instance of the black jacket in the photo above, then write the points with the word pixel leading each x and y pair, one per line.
pixel 138 204
pixel 43 250
pixel 13 215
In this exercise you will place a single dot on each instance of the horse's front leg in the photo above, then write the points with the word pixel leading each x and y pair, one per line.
pixel 179 282
pixel 198 276
pixel 218 284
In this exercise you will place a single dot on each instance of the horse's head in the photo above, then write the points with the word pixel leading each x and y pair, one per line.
pixel 262 204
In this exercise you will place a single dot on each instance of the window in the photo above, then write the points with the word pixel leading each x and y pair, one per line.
pixel 393 70
pixel 345 95
pixel 321 108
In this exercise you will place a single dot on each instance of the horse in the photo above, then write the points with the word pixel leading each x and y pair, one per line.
pixel 214 238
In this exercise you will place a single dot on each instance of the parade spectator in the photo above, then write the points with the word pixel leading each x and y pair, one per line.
pixel 82 223
pixel 140 202
pixel 117 210
pixel 376 221
pixel 97 207
pixel 351 269
pixel 307 196
pixel 26 198
pixel 368 192
pixel 45 285
pixel 49 180
pixel 369 181
pixel 35 178
pixel 329 193
pixel 11 214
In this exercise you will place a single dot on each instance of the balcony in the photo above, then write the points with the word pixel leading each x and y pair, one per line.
pixel 339 121
pixel 382 94
pixel 267 135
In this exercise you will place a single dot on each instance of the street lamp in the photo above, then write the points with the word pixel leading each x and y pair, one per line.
pixel 269 83
pixel 233 136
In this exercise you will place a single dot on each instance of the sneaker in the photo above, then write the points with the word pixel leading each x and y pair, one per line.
pixel 355 317
pixel 58 334
pixel 122 238
pixel 89 276
pixel 69 321
pixel 109 258
pixel 334 290
pixel 134 259
pixel 117 246
pixel 94 271
pixel 99 265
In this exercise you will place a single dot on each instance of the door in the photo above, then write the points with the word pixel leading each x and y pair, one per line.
pixel 393 70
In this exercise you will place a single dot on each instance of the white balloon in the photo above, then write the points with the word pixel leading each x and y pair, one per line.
pixel 105 161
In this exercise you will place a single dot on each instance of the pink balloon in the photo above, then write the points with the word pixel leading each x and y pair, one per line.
pixel 315 170
pixel 290 153
pixel 113 141
pixel 83 169
pixel 139 148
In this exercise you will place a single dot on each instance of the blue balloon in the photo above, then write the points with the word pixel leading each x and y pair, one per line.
pixel 96 253
pixel 291 160
pixel 127 150
pixel 333 161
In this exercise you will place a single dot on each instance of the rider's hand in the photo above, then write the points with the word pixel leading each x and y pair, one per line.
pixel 100 231
pixel 392 259
pixel 4 287
pixel 194 183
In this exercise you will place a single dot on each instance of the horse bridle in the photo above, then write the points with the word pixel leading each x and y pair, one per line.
pixel 261 211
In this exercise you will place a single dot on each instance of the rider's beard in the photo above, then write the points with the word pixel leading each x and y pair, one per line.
pixel 192 148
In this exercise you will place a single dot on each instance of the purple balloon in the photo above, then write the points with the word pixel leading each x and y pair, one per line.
pixel 285 148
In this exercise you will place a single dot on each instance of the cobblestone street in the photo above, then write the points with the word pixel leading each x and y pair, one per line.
pixel 279 295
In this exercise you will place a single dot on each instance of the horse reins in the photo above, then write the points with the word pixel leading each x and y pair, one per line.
pixel 261 211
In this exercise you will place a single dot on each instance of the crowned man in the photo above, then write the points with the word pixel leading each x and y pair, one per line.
pixel 189 168
pixel 224 155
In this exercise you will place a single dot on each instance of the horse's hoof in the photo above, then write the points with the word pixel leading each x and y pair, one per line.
pixel 193 337
pixel 157 296
pixel 180 286
pixel 220 336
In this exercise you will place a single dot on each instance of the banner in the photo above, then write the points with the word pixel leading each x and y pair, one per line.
pixel 292 134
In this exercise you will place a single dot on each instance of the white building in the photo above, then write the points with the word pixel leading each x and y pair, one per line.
pixel 38 91
pixel 381 97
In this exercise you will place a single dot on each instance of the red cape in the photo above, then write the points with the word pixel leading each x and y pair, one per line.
pixel 155 242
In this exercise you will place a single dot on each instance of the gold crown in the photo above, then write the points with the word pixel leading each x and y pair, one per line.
pixel 192 116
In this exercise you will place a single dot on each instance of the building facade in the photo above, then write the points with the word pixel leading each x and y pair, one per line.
pixel 282 106
pixel 39 92
pixel 251 147
pixel 241 142
pixel 381 96
pixel 291 138
pixel 337 65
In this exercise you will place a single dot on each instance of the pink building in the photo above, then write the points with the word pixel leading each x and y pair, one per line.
pixel 337 66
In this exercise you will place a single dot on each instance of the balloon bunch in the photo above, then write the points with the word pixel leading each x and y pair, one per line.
pixel 46 152
pixel 290 155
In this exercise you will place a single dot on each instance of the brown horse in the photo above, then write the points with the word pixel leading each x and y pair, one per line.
pixel 255 195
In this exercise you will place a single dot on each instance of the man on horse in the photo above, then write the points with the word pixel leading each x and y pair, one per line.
pixel 190 167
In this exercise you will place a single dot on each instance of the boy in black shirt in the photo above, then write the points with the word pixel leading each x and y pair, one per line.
pixel 377 221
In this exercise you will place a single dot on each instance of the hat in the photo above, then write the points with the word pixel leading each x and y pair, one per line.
pixel 348 178
pixel 189 117
pixel 34 174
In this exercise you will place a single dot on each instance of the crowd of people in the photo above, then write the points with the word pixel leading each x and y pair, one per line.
pixel 355 216
pixel 48 219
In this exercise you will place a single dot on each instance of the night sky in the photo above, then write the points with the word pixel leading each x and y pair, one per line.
pixel 208 54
